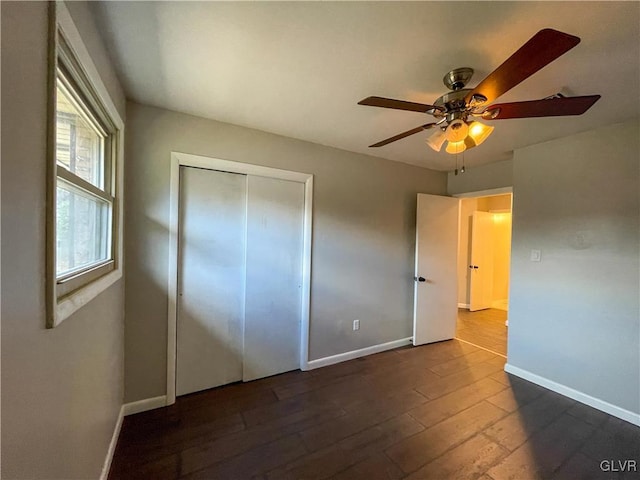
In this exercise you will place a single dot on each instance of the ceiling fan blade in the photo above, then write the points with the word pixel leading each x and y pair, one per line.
pixel 551 107
pixel 397 104
pixel 403 135
pixel 543 48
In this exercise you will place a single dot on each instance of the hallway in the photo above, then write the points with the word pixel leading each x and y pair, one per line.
pixel 484 328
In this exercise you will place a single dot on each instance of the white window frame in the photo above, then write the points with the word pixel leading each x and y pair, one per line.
pixel 67 294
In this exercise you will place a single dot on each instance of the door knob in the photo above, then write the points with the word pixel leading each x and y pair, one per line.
pixel 421 279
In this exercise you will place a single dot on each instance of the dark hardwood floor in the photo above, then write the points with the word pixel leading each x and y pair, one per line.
pixel 485 328
pixel 440 411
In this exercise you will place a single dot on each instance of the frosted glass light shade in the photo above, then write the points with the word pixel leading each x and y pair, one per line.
pixel 457 131
pixel 456 147
pixel 436 140
pixel 479 132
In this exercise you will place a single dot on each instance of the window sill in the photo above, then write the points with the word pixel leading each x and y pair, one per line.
pixel 72 303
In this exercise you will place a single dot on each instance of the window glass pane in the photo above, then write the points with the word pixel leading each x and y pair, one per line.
pixel 82 229
pixel 79 146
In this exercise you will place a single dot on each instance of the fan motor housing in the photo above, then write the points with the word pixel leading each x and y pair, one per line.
pixel 453 103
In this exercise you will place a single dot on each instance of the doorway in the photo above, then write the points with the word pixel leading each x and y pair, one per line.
pixel 483 270
pixel 239 273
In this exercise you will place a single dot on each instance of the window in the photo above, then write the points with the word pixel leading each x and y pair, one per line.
pixel 84 183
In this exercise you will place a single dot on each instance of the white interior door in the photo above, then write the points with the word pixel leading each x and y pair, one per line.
pixel 436 287
pixel 211 279
pixel 481 266
pixel 275 213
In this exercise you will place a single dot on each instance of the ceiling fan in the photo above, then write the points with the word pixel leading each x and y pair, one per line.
pixel 456 110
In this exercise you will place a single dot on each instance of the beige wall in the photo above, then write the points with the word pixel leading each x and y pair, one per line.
pixel 574 317
pixel 61 389
pixel 363 235
pixel 485 177
pixel 501 255
pixel 495 203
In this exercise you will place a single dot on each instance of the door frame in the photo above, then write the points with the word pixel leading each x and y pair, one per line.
pixel 489 193
pixel 179 159
pixel 492 192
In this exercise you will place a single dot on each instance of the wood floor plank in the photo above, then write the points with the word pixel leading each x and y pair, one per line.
pixel 461 363
pixel 467 461
pixel 335 430
pixel 545 451
pixel 311 383
pixel 515 429
pixel 145 447
pixel 389 415
pixel 453 382
pixel 390 432
pixel 387 402
pixel 520 394
pixel 581 467
pixel 340 456
pixel 359 417
pixel 254 461
pixel 485 328
pixel 316 466
pixel 408 377
pixel 502 377
pixel 614 440
pixel 374 467
pixel 441 408
pixel 201 456
pixel 416 451
pixel 165 468
pixel 588 414
pixel 436 353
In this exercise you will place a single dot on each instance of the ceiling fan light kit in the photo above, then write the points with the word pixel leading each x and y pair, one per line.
pixel 437 139
pixel 457 130
pixel 453 110
pixel 479 132
pixel 456 147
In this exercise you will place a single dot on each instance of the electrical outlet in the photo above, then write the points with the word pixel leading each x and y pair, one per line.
pixel 536 255
pixel 356 325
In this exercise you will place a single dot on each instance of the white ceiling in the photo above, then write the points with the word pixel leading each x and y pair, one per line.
pixel 299 68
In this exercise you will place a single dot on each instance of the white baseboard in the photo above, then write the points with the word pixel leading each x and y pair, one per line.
pixel 343 357
pixel 144 405
pixel 463 305
pixel 106 466
pixel 596 403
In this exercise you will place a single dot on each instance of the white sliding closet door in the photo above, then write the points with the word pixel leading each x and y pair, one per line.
pixel 275 211
pixel 211 279
pixel 240 248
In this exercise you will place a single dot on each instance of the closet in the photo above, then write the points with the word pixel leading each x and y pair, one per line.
pixel 240 247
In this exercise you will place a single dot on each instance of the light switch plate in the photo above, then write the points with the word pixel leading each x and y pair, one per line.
pixel 536 256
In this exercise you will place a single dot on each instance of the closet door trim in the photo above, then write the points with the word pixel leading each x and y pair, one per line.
pixel 179 159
